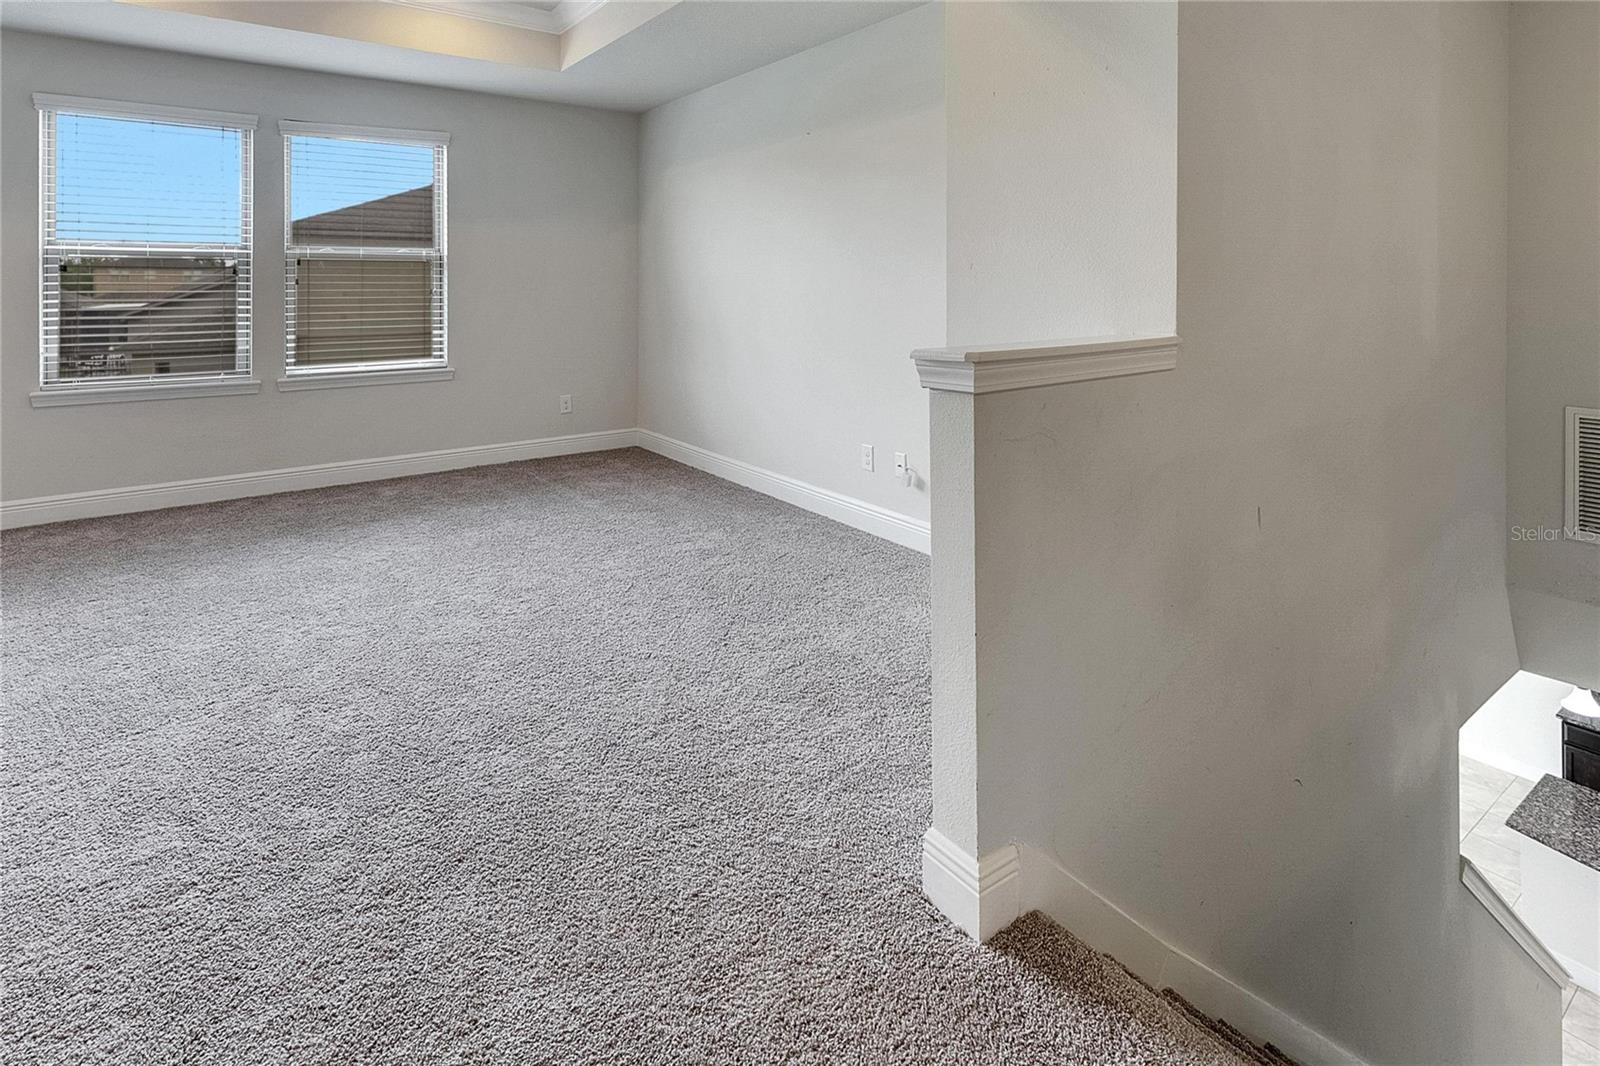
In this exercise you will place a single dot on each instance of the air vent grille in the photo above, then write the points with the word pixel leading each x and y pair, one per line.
pixel 1583 474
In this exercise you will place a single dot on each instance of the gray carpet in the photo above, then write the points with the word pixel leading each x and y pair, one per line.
pixel 588 760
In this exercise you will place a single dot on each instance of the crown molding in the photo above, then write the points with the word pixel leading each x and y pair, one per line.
pixel 1032 364
pixel 556 20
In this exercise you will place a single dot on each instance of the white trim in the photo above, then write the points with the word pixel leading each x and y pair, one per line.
pixel 72 395
pixel 1046 886
pixel 1002 367
pixel 192 116
pixel 312 379
pixel 1582 976
pixel 100 502
pixel 1571 474
pixel 1526 939
pixel 981 896
pixel 53 251
pixel 858 514
pixel 556 21
pixel 436 255
pixel 869 518
pixel 569 13
pixel 292 128
pixel 1501 761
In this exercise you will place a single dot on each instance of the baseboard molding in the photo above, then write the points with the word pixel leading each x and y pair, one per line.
pixel 983 896
pixel 869 518
pixel 1512 923
pixel 979 895
pixel 1048 887
pixel 41 509
pixel 1583 976
pixel 1503 762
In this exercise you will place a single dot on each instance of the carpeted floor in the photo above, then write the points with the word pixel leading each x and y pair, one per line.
pixel 589 760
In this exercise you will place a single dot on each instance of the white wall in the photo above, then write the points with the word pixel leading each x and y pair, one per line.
pixel 1061 135
pixel 543 279
pixel 792 255
pixel 1553 327
pixel 1231 617
pixel 1517 728
pixel 1062 122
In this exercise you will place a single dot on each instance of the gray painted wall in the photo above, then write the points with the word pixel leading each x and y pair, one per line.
pixel 543 279
pixel 792 240
pixel 1062 122
pixel 1554 327
pixel 1230 617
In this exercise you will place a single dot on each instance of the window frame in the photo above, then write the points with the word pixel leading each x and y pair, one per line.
pixel 435 367
pixel 52 250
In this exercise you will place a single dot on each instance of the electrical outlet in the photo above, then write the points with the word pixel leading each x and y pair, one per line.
pixel 866 457
pixel 903 471
pixel 566 405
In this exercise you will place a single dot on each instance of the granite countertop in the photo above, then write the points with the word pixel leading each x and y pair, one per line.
pixel 1585 721
pixel 1562 816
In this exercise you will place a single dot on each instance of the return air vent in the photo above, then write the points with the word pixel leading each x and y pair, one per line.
pixel 1583 474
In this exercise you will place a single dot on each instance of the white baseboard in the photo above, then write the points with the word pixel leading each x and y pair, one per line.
pixel 979 895
pixel 879 521
pixel 867 517
pixel 1098 922
pixel 983 897
pixel 94 504
pixel 1583 975
pixel 1512 923
pixel 1500 761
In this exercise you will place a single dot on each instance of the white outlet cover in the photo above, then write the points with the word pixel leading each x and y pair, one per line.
pixel 566 405
pixel 866 457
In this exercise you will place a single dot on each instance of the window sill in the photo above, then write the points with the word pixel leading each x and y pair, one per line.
pixel 67 396
pixel 320 379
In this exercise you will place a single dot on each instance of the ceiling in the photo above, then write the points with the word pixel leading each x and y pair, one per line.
pixel 626 54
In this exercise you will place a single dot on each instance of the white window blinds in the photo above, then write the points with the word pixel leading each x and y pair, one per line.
pixel 364 248
pixel 145 258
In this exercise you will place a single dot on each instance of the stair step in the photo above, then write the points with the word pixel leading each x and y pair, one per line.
pixel 1263 1054
pixel 1121 1016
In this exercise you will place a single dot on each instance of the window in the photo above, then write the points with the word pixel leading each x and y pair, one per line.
pixel 145 244
pixel 365 248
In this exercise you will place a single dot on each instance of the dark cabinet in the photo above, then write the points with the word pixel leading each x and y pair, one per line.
pixel 1580 755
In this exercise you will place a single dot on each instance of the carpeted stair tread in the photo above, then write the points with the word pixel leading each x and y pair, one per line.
pixel 1264 1054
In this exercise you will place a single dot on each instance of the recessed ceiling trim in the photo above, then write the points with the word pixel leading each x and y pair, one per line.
pixel 556 20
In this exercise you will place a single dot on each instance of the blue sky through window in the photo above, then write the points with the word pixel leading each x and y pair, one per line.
pixel 123 179
pixel 327 173
pixel 134 180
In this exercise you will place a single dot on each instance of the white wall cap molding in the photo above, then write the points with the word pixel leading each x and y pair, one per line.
pixel 1032 364
pixel 193 116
